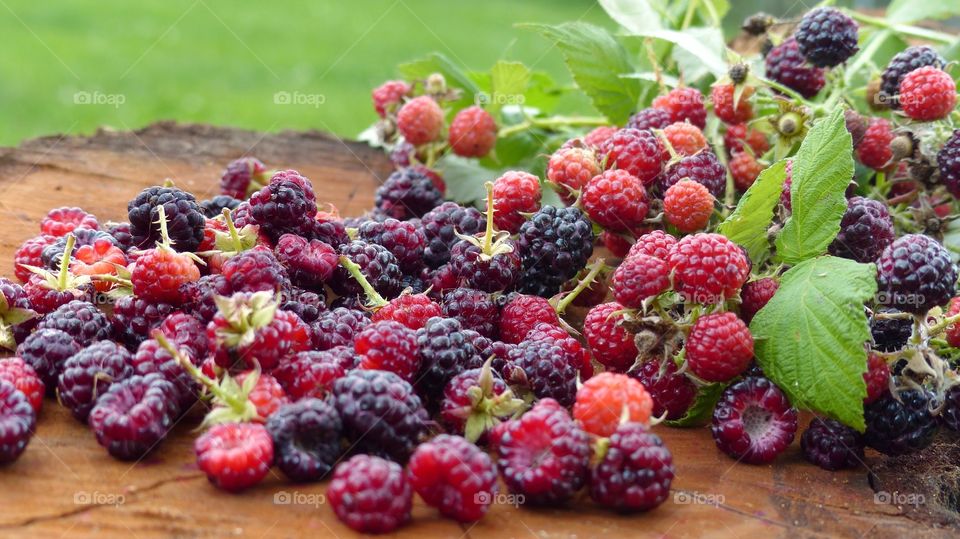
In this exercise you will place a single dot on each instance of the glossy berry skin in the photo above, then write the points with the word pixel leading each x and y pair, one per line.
pixel 602 399
pixel 62 221
pixel 685 104
pixel 475 309
pixel 199 295
pixel 636 152
pixel 948 162
pixel 827 37
pixel 378 266
pixel 214 206
pixel 242 177
pixel 19 373
pixel 719 347
pixel 311 374
pixel 900 427
pixel 473 132
pixel 672 393
pixel 656 243
pixel 745 170
pixel 235 456
pixel 927 94
pixel 407 193
pixel 554 244
pixel 255 270
pixel 370 494
pixel 786 65
pixel 544 455
pixel 598 135
pixel 650 118
pixel 865 230
pixel 30 253
pixel 388 96
pixel 688 205
pixel 906 61
pixel 684 138
pixel 915 273
pixel 306 439
pixel 514 192
pixel 755 295
pixel 703 168
pixel 388 346
pixel 46 350
pixel 151 358
pixel 892 334
pixel 445 350
pixel 184 217
pixel 488 273
pixel 420 120
pixel 158 275
pixel 455 476
pixel 188 333
pixel 266 346
pixel 337 327
pixel 723 98
pixel 638 278
pixel 708 268
pixel 89 373
pixel 554 334
pixel 402 238
pixel 615 200
pixel 754 422
pixel 832 445
pixel 611 344
pixel 309 263
pixel 441 226
pixel 17 422
pixel 79 319
pixel 411 310
pixel 551 370
pixel 636 471
pixel 571 169
pixel 134 415
pixel 874 150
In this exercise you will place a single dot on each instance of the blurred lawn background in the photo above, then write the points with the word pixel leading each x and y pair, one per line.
pixel 222 61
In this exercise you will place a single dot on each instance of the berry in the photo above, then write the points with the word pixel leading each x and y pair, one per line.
pixel 381 413
pixel 266 395
pixel 521 313
pixel 673 393
pixel 724 96
pixel 159 273
pixel 551 370
pixel 250 327
pixel 79 319
pixel 877 378
pixel 685 139
pixel 952 333
pixel 616 200
pixel 473 132
pixel 827 37
pixel 309 263
pixel 609 341
pixel 635 471
pixel 739 137
pixel 306 439
pixel 476 401
pixel 490 267
pixel 46 350
pixel 30 254
pixel 544 455
pixel 134 415
pixel 901 424
pixel 286 204
pixel 607 399
pixel 598 135
pixel 906 61
pixel 745 169
pixel 214 207
pixel 329 231
pixel 89 373
pixel 454 476
pixel 650 118
pixel 370 494
pixel 134 318
pixel 555 244
pixel 927 94
pixel 755 295
pixel 305 304
pixel 832 445
pixel 17 422
pixel 407 193
pixel 638 278
pixel 950 415
pixel 51 256
pixel 255 270
pixel 16 316
pixel 402 238
pixel 411 310
pixel 874 150
pixel 656 244
pixel 420 120
pixel 19 373
pixel 719 347
pixel 684 104
pixel 754 422
pixel 101 258
pixel 388 346
pixel 948 162
pixel 786 65
pixel 865 230
pixel 151 358
pixel 199 296
pixel 688 206
pixel 514 192
pixel 235 456
pixel 337 327
pixel 571 169
pixel 441 226
pixel 446 350
pixel 378 266
pixel 120 232
pixel 555 334
pixel 388 96
pixel 184 219
pixel 915 274
pixel 636 152
pixel 891 334
pixel 62 221
pixel 475 310
pixel 708 268
pixel 703 168
pixel 310 374
pixel 243 177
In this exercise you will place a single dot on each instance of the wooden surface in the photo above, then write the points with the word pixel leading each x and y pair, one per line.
pixel 66 485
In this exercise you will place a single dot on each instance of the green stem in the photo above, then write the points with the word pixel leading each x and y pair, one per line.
pixel 943 324
pixel 487 246
pixel 584 283
pixel 903 29
pixel 784 90
pixel 64 275
pixel 373 297
pixel 234 235
pixel 162 220
pixel 550 123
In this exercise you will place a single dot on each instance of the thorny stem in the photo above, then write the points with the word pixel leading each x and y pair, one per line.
pixel 488 234
pixel 234 235
pixel 375 299
pixel 64 275
pixel 584 283
pixel 943 324
pixel 165 240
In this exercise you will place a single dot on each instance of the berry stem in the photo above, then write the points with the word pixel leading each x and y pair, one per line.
pixel 584 283
pixel 165 241
pixel 374 299
pixel 943 324
pixel 232 228
pixel 488 233
pixel 551 123
pixel 64 275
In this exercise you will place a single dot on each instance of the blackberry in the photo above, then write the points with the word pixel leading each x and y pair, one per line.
pixel 134 318
pixel 89 373
pixel 310 263
pixel 832 445
pixel 185 219
pixel 402 238
pixel 916 273
pixel 650 118
pixel 79 319
pixel 17 422
pixel 898 427
pixel 948 162
pixel 786 65
pixel 754 422
pixel 673 393
pixel 53 254
pixel 441 226
pixel 121 233
pixel 555 244
pixel 484 271
pixel 703 168
pixel 199 295
pixel 551 371
pixel 215 206
pixel 407 193
pixel 635 471
pixel 306 439
pixel 865 230
pixel 475 310
pixel 827 37
pixel 445 350
pixel 377 264
pixel 305 304
pixel 905 61
pixel 337 328
pixel 381 413
pixel 950 416
pixel 134 415
pixel 46 350
pixel 255 270
pixel 151 358
pixel 284 205
pixel 890 334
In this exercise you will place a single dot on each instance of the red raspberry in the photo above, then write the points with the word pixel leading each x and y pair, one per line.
pixel 612 345
pixel 513 193
pixel 606 399
pixel 640 277
pixel 877 378
pixel 874 150
pixel 101 258
pixel 615 200
pixel 134 415
pixel 235 456
pixel 571 169
pixel 388 96
pixel 18 421
pixel 656 244
pixel 686 139
pixel 544 455
pixel 521 314
pixel 673 393
pixel 473 132
pixel 927 94
pixel 267 394
pixel 159 273
pixel 688 206
pixel 708 268
pixel 455 476
pixel 23 377
pixel 480 399
pixel 616 243
pixel 739 135
pixel 684 104
pixel 249 327
pixel 745 169
pixel 599 135
pixel 29 254
pixel 370 494
pixel 719 347
pixel 411 310
pixel 62 221
pixel 388 346
pixel 635 471
pixel 638 152
pixel 555 334
pixel 754 422
pixel 723 96
pixel 420 120
pixel 755 295
pixel 310 374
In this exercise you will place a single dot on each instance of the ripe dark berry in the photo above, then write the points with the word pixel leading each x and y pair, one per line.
pixel 89 373
pixel 388 346
pixel 607 400
pixel 755 295
pixel 337 327
pixel 495 271
pixel 832 445
pixel 616 200
pixel 402 238
pixel 306 439
pixel 455 476
pixel 703 168
pixel 446 350
pixel 551 371
pixel 184 217
pixel 17 422
pixel 635 471
pixel 685 104
pixel 199 296
pixel 46 350
pixel 899 425
pixel 151 358
pixel 890 334
pixel 719 347
pixel 865 230
pixel 134 318
pixel 370 494
pixel 637 152
pixel 475 310
pixel 611 344
pixel 927 94
pixel 754 422
pixel 673 393
pixel 950 415
pixel 235 456
pixel 388 96
pixel 407 193
pixel 473 132
pixel 906 61
pixel 378 266
pixel 827 37
pixel 305 304
pixel 514 192
pixel 708 268
pixel 688 205
pixel 255 270
pixel 786 65
pixel 285 205
pixel 650 118
pixel 420 120
pixel 309 263
pixel 948 162
pixel 915 273
pixel 555 244
pixel 243 177
pixel 441 226
pixel 79 319
pixel 134 415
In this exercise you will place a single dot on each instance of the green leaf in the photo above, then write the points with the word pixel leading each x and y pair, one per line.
pixel 596 60
pixel 822 169
pixel 702 408
pixel 635 16
pixel 810 337
pixel 701 50
pixel 905 11
pixel 465 178
pixel 456 77
pixel 508 81
pixel 748 224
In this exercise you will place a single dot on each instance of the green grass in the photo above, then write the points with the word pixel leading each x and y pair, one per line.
pixel 222 61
